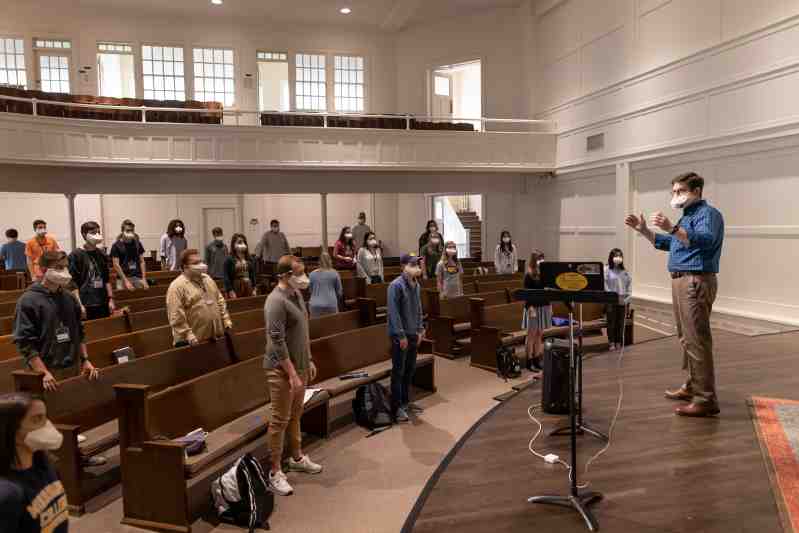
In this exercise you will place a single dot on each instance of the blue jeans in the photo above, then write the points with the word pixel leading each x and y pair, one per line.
pixel 402 371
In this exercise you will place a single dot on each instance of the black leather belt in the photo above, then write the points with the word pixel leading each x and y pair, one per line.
pixel 682 273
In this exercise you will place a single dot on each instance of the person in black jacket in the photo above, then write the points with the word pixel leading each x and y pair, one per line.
pixel 32 498
pixel 89 269
pixel 47 328
pixel 239 269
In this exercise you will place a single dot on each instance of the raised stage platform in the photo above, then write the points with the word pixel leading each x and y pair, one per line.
pixel 663 473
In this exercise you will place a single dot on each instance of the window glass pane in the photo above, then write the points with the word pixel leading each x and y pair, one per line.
pixel 349 89
pixel 310 94
pixel 214 75
pixel 168 71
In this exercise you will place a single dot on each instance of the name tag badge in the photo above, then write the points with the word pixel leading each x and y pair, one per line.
pixel 132 266
pixel 97 284
pixel 62 335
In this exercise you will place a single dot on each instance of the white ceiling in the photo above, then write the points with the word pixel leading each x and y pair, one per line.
pixel 390 15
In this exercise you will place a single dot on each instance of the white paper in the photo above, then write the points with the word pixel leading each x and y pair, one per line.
pixel 309 393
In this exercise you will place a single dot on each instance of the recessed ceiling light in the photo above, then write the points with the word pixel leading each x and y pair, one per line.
pixel 217 2
pixel 345 11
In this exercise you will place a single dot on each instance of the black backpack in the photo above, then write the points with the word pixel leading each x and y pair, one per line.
pixel 508 365
pixel 241 495
pixel 371 406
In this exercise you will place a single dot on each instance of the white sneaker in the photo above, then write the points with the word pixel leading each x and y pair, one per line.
pixel 81 439
pixel 279 484
pixel 402 416
pixel 304 465
pixel 94 460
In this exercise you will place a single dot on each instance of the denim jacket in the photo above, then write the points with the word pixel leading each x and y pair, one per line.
pixel 404 309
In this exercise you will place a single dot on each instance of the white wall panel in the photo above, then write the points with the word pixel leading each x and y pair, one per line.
pixel 612 15
pixel 559 32
pixel 561 81
pixel 607 59
pixel 743 16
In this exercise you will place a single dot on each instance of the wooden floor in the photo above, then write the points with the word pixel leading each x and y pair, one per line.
pixel 663 473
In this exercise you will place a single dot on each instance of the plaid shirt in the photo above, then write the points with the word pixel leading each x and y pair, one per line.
pixel 705 228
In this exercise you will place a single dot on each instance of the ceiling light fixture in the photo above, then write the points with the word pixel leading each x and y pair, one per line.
pixel 217 2
pixel 345 11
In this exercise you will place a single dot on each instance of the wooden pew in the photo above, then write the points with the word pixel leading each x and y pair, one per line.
pixel 492 327
pixel 353 288
pixel 87 407
pixel 450 327
pixel 10 296
pixel 173 495
pixel 8 308
pixel 491 286
pixel 374 303
pixel 6 325
pixel 12 281
pixel 155 290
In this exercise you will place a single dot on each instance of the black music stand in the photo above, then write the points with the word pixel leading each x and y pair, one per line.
pixel 574 500
pixel 571 276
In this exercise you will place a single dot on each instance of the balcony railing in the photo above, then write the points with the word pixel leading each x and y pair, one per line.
pixel 237 116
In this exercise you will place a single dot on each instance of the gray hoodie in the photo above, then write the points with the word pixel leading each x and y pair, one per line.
pixel 272 247
pixel 38 317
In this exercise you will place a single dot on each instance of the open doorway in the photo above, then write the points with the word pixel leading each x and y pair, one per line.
pixel 457 92
pixel 459 220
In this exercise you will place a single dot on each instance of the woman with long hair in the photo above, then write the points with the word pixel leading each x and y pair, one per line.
pixel 505 258
pixel 370 260
pixel 173 243
pixel 32 499
pixel 239 272
pixel 325 288
pixel 344 250
pixel 617 280
pixel 449 273
pixel 536 318
pixel 431 228
pixel 431 255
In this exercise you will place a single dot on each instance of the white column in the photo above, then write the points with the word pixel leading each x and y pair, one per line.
pixel 323 197
pixel 625 237
pixel 71 209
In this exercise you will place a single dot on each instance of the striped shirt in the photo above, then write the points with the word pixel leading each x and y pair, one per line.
pixel 705 228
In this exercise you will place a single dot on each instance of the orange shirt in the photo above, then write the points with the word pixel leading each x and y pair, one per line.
pixel 35 248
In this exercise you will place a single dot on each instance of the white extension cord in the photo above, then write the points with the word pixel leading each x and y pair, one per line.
pixel 552 458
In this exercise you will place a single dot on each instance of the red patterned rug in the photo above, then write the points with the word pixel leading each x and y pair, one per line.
pixel 777 427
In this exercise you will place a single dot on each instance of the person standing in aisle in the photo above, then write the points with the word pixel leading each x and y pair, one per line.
pixel 505 258
pixel 127 257
pixel 536 318
pixel 12 253
pixel 405 328
pixel 215 254
pixel 431 255
pixel 273 244
pixel 617 280
pixel 360 229
pixel 432 228
pixel 173 244
pixel 196 308
pixel 449 273
pixel 37 246
pixel 344 250
pixel 370 260
pixel 325 287
pixel 239 269
pixel 289 368
pixel 694 244
pixel 88 267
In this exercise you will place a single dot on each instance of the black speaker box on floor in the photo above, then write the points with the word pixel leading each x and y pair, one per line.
pixel 555 386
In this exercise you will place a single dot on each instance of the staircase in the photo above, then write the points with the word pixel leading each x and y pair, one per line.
pixel 472 222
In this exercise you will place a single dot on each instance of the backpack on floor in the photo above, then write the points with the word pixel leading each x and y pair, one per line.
pixel 371 406
pixel 508 365
pixel 241 495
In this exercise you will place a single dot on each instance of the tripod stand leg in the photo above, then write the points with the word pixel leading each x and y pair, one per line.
pixel 579 503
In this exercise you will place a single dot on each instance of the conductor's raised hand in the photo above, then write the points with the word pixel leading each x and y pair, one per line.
pixel 638 223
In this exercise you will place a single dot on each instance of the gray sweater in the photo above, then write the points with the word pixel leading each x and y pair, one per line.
pixel 326 289
pixel 287 334
pixel 272 247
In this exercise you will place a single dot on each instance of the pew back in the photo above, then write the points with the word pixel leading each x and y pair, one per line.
pixel 460 308
pixel 338 354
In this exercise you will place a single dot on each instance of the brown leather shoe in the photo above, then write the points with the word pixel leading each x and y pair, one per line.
pixel 680 395
pixel 698 410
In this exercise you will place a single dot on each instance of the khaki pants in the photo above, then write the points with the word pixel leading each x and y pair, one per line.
pixel 693 297
pixel 286 411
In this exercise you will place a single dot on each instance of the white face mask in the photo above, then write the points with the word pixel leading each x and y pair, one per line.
pixel 41 232
pixel 275 229
pixel 506 240
pixel 452 251
pixel 46 437
pixel 618 260
pixel 59 278
pixel 435 241
pixel 412 271
pixel 129 235
pixel 198 269
pixel 348 236
pixel 299 282
pixel 540 261
pixel 241 247
pixel 178 229
pixel 219 239
pixel 679 201
pixel 432 229
pixel 372 243
pixel 94 238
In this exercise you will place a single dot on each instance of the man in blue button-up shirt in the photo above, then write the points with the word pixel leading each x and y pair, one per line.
pixel 405 328
pixel 694 245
